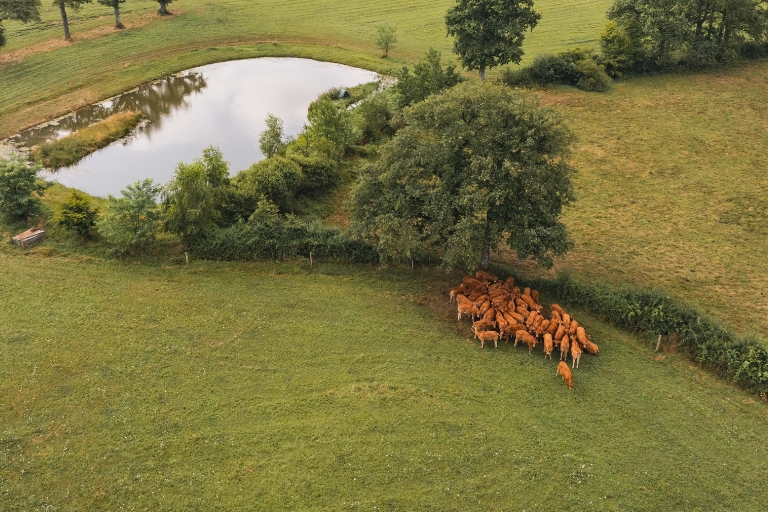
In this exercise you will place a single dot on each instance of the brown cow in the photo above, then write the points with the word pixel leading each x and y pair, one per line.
pixel 535 296
pixel 559 333
pixel 527 339
pixel 554 315
pixel 467 308
pixel 575 353
pixel 564 346
pixel 530 302
pixel 484 307
pixel 520 302
pixel 488 336
pixel 548 346
pixel 566 320
pixel 517 317
pixel 531 318
pixel 527 292
pixel 573 327
pixel 542 328
pixel 455 291
pixel 490 315
pixel 592 348
pixel 516 292
pixel 482 325
pixel 537 322
pixel 485 276
pixel 581 336
pixel 555 307
pixel 562 369
pixel 509 284
pixel 554 325
pixel 522 311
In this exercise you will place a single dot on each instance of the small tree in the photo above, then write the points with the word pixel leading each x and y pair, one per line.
pixel 114 4
pixel 428 77
pixel 490 33
pixel 385 37
pixel 134 219
pixel 163 11
pixel 271 140
pixel 331 123
pixel 18 182
pixel 18 10
pixel 476 167
pixel 194 198
pixel 62 5
pixel 77 214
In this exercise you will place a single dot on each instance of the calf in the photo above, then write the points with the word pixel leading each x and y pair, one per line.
pixel 488 336
pixel 562 369
pixel 548 346
pixel 575 354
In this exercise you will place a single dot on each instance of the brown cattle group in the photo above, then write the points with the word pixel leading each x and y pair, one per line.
pixel 499 310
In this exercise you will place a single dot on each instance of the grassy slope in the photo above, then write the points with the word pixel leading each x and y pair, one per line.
pixel 229 386
pixel 672 189
pixel 52 82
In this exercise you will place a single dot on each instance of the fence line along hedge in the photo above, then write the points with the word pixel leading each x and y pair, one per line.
pixel 740 360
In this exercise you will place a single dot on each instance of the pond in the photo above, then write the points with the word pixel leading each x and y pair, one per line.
pixel 222 104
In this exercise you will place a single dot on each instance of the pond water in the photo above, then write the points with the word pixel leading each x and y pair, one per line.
pixel 222 104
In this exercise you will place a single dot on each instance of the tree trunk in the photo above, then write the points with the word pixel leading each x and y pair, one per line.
pixel 65 21
pixel 118 23
pixel 482 73
pixel 163 9
pixel 484 259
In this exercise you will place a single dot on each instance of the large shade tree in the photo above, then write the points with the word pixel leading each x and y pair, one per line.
pixel 18 10
pixel 490 33
pixel 476 167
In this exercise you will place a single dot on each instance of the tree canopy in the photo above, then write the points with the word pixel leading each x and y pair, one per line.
pixel 19 184
pixel 476 166
pixel 18 10
pixel 490 33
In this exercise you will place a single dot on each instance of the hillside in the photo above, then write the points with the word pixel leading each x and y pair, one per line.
pixel 264 387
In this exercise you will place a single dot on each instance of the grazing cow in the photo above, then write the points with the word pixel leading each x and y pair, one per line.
pixel 575 354
pixel 527 292
pixel 573 327
pixel 509 284
pixel 522 311
pixel 500 320
pixel 581 336
pixel 548 345
pixel 517 317
pixel 526 338
pixel 482 325
pixel 520 302
pixel 554 325
pixel 474 283
pixel 530 303
pixel 484 307
pixel 467 308
pixel 555 307
pixel 488 336
pixel 499 301
pixel 592 348
pixel 482 298
pixel 562 369
pixel 531 318
pixel 564 346
pixel 455 291
pixel 537 322
pixel 559 333
pixel 542 328
pixel 554 315
pixel 566 321
pixel 485 276
pixel 516 292
pixel 490 315
pixel 535 296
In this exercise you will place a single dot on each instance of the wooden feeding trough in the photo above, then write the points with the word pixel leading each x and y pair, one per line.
pixel 28 238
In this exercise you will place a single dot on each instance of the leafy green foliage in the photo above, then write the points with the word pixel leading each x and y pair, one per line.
pixel 330 125
pixel 578 67
pixel 427 78
pixel 19 10
pixel 385 37
pixel 372 118
pixel 19 184
pixel 277 179
pixel 77 214
pixel 490 33
pixel 133 220
pixel 475 167
pixel 194 198
pixel 647 35
pixel 318 174
pixel 271 140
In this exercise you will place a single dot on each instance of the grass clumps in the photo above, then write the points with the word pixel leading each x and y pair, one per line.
pixel 73 148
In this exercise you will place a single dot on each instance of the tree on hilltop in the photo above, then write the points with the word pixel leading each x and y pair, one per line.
pixel 476 167
pixel 115 4
pixel 490 33
pixel 18 10
pixel 72 4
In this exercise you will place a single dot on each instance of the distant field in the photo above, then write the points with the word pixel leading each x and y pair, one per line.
pixel 268 387
pixel 672 190
pixel 41 76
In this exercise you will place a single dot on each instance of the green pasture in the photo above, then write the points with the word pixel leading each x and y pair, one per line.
pixel 46 77
pixel 276 386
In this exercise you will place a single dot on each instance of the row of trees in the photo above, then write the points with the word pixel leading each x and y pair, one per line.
pixel 29 10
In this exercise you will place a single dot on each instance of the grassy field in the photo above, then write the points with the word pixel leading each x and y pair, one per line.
pixel 42 76
pixel 672 189
pixel 270 386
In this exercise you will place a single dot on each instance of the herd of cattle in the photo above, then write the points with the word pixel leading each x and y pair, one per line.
pixel 499 310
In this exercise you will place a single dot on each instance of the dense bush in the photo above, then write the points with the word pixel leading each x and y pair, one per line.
pixel 331 123
pixel 318 174
pixel 133 220
pixel 427 78
pixel 277 179
pixel 19 184
pixel 268 236
pixel 77 214
pixel 742 361
pixel 578 67
pixel 372 118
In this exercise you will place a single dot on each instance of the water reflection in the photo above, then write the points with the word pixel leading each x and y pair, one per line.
pixel 222 104
pixel 156 100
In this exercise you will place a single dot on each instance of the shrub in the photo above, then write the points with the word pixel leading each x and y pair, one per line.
pixel 19 184
pixel 427 78
pixel 77 214
pixel 277 178
pixel 132 220
pixel 372 118
pixel 330 122
pixel 271 140
pixel 577 67
pixel 318 174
